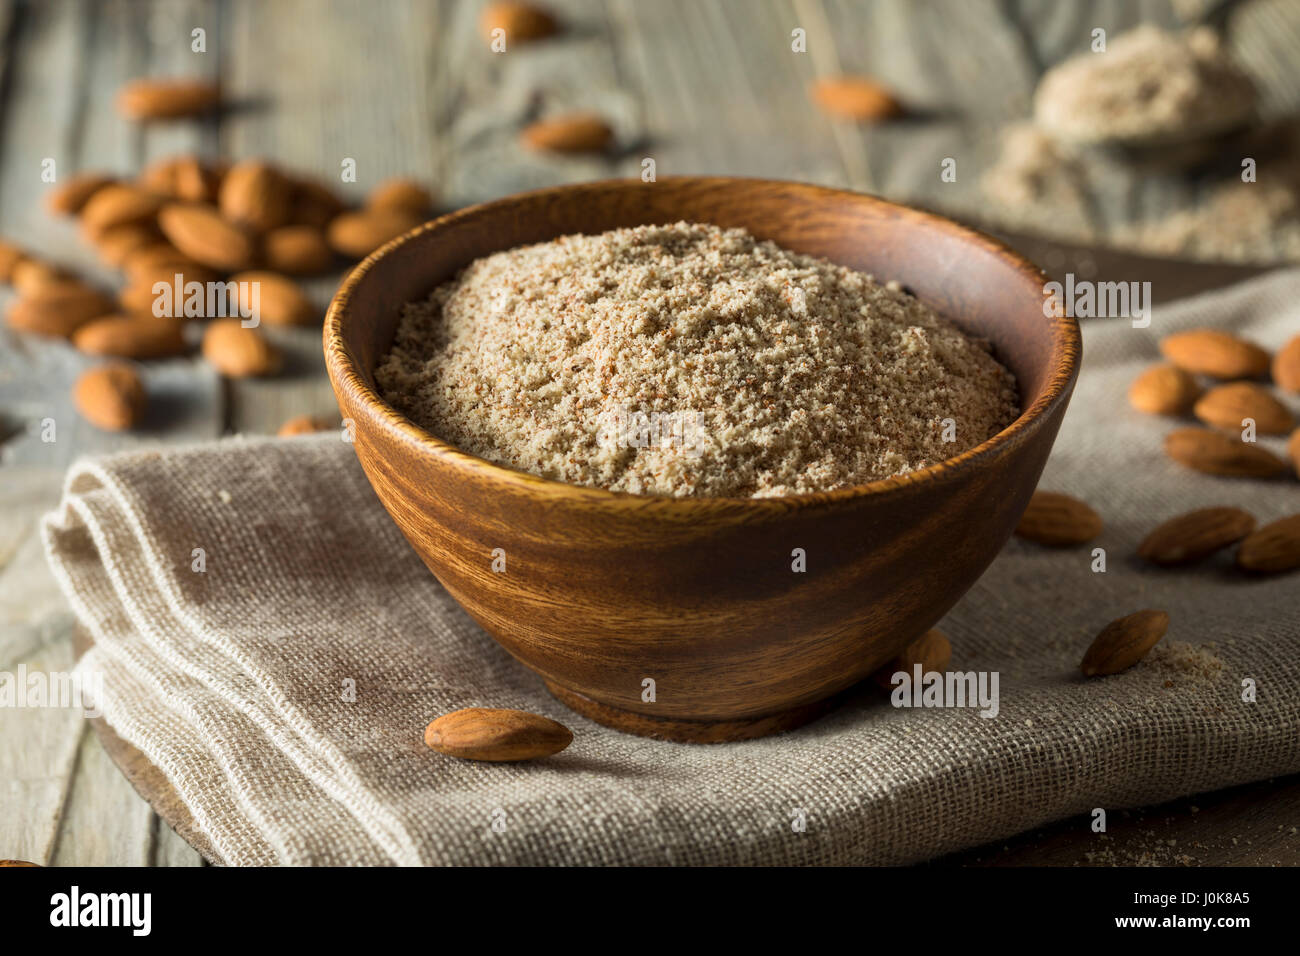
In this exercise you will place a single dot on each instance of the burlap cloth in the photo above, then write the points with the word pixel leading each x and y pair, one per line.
pixel 234 680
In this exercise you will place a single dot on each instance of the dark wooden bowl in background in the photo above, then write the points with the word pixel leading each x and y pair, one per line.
pixel 605 590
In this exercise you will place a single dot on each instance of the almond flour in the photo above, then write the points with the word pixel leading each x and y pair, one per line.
pixel 792 374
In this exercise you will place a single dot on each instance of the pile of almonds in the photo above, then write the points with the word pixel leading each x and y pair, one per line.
pixel 250 222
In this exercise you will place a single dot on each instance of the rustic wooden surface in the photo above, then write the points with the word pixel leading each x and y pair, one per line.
pixel 408 87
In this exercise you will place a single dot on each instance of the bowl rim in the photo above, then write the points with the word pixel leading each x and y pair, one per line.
pixel 345 375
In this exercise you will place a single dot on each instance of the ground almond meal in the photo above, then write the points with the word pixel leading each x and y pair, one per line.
pixel 690 360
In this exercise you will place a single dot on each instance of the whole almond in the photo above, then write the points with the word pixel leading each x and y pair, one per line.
pixel 70 196
pixel 117 204
pixel 1163 390
pixel 131 336
pixel 570 133
pixel 857 98
pixel 1273 548
pixel 111 397
pixel 238 352
pixel 297 250
pixel 116 243
pixel 1215 453
pixel 1229 405
pixel 10 256
pixel 1215 353
pixel 201 233
pixel 30 275
pixel 279 300
pixel 58 309
pixel 1286 366
pixel 160 176
pixel 257 195
pixel 357 234
pixel 155 256
pixel 197 181
pixel 143 295
pixel 931 650
pixel 520 21
pixel 314 204
pixel 401 194
pixel 497 735
pixel 1058 520
pixel 1195 535
pixel 159 98
pixel 307 425
pixel 1124 642
pixel 1293 450
pixel 19 863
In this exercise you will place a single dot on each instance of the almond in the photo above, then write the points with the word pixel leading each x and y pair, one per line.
pixel 1218 454
pixel 297 250
pixel 117 204
pixel 314 204
pixel 520 21
pixel 1227 406
pixel 307 425
pixel 131 336
pixel 30 275
pixel 141 295
pixel 153 99
pixel 71 196
pixel 159 176
pixel 1293 450
pixel 158 255
pixel 571 133
pixel 1273 548
pixel 1286 366
pixel 485 733
pixel 931 650
pixel 116 243
pixel 1195 535
pixel 237 351
pixel 357 234
pixel 1163 390
pixel 857 98
pixel 1124 642
pixel 19 863
pixel 111 397
pixel 58 309
pixel 257 195
pixel 279 300
pixel 10 256
pixel 1214 353
pixel 201 233
pixel 1058 520
pixel 401 194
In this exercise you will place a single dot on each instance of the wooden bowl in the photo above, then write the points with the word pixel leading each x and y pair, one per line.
pixel 605 592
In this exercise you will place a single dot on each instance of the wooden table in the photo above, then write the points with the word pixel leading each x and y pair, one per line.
pixel 409 88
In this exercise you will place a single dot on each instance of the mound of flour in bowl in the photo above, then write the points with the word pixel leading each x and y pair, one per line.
pixel 691 360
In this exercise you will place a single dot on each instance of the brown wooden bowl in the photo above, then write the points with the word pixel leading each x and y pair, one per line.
pixel 604 591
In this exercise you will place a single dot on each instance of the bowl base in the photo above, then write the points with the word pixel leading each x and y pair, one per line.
pixel 690 731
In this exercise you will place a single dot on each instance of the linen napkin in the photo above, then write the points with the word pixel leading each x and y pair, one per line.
pixel 267 638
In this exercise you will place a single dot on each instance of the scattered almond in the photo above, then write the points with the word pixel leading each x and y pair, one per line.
pixel 201 233
pixel 497 735
pixel 10 256
pixel 1293 450
pixel 1228 405
pixel 1215 453
pixel 401 194
pixel 1273 548
pixel 931 650
pixel 1215 353
pixel 571 133
pixel 154 99
pixel 238 352
pixel 1286 366
pixel 71 196
pixel 856 98
pixel 131 336
pixel 116 243
pixel 111 397
pixel 117 204
pixel 1195 535
pixel 279 301
pixel 357 234
pixel 314 204
pixel 158 256
pixel 257 195
pixel 19 863
pixel 297 250
pixel 520 21
pixel 58 309
pixel 1124 642
pixel 1163 390
pixel 1058 520
pixel 29 275
pixel 307 425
